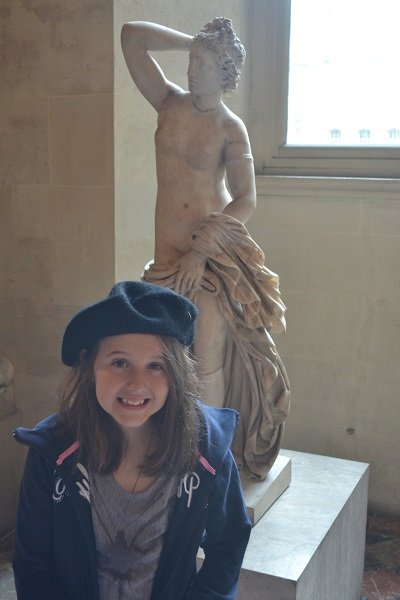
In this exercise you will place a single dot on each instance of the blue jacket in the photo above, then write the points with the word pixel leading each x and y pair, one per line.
pixel 55 551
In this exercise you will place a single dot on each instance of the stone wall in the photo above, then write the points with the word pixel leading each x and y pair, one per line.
pixel 56 188
pixel 336 246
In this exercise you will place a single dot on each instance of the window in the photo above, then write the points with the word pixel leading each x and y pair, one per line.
pixel 325 87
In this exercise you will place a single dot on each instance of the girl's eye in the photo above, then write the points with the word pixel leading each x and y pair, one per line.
pixel 156 366
pixel 120 363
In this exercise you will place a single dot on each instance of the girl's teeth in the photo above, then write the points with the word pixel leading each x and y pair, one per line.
pixel 132 402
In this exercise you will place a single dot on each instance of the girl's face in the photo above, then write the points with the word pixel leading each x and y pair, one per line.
pixel 130 378
pixel 204 74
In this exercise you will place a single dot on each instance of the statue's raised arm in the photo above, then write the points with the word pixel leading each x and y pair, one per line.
pixel 138 39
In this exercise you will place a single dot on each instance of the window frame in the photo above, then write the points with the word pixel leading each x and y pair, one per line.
pixel 268 64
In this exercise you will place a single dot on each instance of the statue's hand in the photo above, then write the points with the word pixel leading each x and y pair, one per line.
pixel 191 268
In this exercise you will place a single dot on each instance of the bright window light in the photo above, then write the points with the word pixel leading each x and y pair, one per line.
pixel 344 73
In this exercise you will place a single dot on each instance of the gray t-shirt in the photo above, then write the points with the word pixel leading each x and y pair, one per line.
pixel 129 530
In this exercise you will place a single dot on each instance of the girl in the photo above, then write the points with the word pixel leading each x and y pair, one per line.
pixel 134 474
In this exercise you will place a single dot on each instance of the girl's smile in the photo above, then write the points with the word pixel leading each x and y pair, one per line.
pixel 130 377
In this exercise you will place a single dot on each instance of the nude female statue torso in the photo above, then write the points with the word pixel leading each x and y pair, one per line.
pixel 190 175
pixel 199 144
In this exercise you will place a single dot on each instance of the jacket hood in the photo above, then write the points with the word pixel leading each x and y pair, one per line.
pixel 44 437
pixel 220 426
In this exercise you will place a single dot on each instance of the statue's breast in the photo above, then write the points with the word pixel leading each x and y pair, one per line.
pixel 192 140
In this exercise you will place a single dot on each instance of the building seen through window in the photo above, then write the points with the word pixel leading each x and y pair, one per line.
pixel 344 73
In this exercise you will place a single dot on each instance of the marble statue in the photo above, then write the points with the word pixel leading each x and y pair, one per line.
pixel 206 192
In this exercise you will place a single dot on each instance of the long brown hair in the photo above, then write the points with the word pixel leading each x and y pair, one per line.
pixel 102 442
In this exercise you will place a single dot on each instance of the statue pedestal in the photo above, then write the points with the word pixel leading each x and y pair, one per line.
pixel 260 495
pixel 310 544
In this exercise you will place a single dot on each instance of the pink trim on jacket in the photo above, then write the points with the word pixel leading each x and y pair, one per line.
pixel 74 447
pixel 67 453
pixel 204 462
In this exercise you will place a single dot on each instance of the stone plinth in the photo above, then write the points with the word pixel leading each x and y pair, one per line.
pixel 310 544
pixel 260 495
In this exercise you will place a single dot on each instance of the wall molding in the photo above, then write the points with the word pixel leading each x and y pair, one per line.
pixel 329 187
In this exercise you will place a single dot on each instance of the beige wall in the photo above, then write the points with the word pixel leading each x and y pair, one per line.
pixel 56 194
pixel 336 247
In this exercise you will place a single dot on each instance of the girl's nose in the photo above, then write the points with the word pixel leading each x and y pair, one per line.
pixel 136 380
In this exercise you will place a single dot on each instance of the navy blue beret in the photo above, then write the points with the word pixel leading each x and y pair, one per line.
pixel 131 307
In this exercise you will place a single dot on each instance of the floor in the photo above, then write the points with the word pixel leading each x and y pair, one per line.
pixel 382 561
pixel 7 591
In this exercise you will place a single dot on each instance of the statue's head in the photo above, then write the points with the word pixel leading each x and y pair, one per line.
pixel 219 38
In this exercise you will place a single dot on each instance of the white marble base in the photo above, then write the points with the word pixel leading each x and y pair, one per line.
pixel 310 544
pixel 260 495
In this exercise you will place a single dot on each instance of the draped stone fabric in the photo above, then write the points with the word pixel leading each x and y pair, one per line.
pixel 248 297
